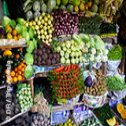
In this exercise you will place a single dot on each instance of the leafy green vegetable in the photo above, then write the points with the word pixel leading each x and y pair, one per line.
pixel 31 46
pixel 19 28
pixel 115 83
pixel 29 59
pixel 28 72
pixel 20 21
pixel 5 21
pixel 31 33
pixel 115 53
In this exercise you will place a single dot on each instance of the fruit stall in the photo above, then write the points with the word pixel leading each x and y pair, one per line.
pixel 62 63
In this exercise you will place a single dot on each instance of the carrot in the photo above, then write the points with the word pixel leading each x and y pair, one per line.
pixel 59 69
pixel 66 67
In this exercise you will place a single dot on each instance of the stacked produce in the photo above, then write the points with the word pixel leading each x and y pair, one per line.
pixel 18 73
pixel 92 121
pixel 109 8
pixel 93 48
pixel 40 120
pixel 95 87
pixel 24 96
pixel 115 53
pixel 65 23
pixel 34 8
pixel 43 27
pixel 68 123
pixel 66 81
pixel 69 51
pixel 115 83
pixel 41 105
pixel 90 25
pixel 46 56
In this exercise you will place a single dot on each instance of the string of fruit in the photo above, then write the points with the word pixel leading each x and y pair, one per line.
pixel 66 81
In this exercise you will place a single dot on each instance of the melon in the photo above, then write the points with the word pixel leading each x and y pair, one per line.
pixel 43 7
pixel 76 2
pixel 58 2
pixel 94 8
pixel 65 2
pixel 51 5
pixel 96 2
pixel 62 7
pixel 36 6
pixel 70 8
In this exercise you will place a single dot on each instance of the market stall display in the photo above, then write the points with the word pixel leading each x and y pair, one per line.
pixel 67 43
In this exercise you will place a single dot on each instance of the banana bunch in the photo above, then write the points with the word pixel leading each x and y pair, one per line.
pixel 109 7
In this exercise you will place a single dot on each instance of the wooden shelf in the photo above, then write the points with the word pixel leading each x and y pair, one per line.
pixel 10 47
pixel 14 117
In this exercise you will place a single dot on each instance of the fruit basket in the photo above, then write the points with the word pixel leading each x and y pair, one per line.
pixel 95 101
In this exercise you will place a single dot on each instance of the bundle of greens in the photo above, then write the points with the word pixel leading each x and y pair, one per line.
pixel 115 83
pixel 115 53
pixel 90 25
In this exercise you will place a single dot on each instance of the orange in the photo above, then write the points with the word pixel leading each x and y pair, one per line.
pixel 17 56
pixel 15 79
pixel 19 78
pixel 20 49
pixel 22 69
pixel 19 72
pixel 19 36
pixel 12 73
pixel 19 67
pixel 14 32
pixel 15 38
pixel 15 69
pixel 16 74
